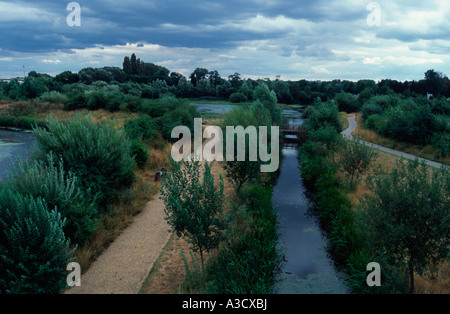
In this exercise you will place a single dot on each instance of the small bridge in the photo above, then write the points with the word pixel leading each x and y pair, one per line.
pixel 294 135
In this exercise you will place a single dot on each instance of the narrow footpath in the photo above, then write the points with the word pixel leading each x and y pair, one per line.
pixel 124 265
pixel 353 125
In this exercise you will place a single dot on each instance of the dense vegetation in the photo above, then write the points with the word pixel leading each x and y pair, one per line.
pixel 246 235
pixel 53 203
pixel 382 229
pixel 117 88
pixel 412 120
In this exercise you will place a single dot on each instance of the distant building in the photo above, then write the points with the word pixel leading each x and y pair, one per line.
pixel 18 79
pixel 429 96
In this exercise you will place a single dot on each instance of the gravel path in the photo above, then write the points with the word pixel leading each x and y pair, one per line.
pixel 124 265
pixel 353 125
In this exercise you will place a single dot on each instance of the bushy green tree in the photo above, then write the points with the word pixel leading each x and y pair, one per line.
pixel 282 91
pixel 328 136
pixel 53 97
pixel 269 100
pixel 34 251
pixel 238 98
pixel 182 115
pixel 142 127
pixel 77 101
pixel 407 217
pixel 240 172
pixel 194 205
pixel 321 115
pixel 139 152
pixel 33 87
pixel 347 102
pixel 370 109
pixel 355 158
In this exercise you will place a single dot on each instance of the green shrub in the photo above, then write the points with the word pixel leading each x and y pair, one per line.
pixel 321 115
pixel 113 100
pixel 327 136
pixel 181 116
pixel 33 249
pixel 53 97
pixel 48 180
pixel 384 101
pixel 355 159
pixel 441 143
pixel 133 103
pixel 238 98
pixel 96 100
pixel 139 153
pixel 77 101
pixel 441 106
pixel 20 122
pixel 412 124
pixel 151 109
pixel 370 109
pixel 142 127
pixel 347 102
pixel 378 123
pixel 250 258
pixel 98 154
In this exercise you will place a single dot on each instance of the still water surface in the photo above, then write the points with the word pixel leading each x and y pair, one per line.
pixel 14 146
pixel 308 268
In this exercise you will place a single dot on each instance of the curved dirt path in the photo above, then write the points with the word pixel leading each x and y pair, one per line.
pixel 124 265
pixel 352 125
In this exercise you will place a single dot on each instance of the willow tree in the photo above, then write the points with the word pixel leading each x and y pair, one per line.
pixel 407 217
pixel 194 205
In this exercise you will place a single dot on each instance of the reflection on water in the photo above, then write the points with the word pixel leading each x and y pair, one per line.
pixel 307 269
pixel 211 108
pixel 14 146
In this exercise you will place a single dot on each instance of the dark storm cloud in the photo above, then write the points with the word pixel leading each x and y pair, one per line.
pixel 262 37
pixel 119 22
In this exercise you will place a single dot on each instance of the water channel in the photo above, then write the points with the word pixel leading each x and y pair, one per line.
pixel 308 269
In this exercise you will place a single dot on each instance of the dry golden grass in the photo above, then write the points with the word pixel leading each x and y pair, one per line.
pixel 440 285
pixel 98 115
pixel 27 108
pixel 158 157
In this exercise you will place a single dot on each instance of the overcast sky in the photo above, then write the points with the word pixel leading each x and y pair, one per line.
pixel 320 40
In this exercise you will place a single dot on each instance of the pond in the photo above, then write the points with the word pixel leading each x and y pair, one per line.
pixel 14 146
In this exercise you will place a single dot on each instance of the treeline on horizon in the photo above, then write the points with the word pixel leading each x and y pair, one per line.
pixel 148 80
